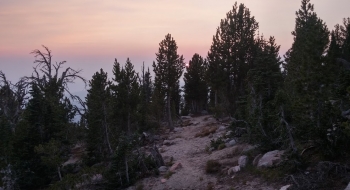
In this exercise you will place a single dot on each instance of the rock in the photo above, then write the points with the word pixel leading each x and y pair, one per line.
pixel 175 166
pixel 347 187
pixel 178 129
pixel 163 180
pixel 211 149
pixel 286 187
pixel 248 148
pixel 163 169
pixel 242 161
pixel 271 158
pixel 256 159
pixel 186 117
pixel 233 170
pixel 204 112
pixel 168 142
pixel 211 135
pixel 231 143
pixel 228 133
pixel 221 128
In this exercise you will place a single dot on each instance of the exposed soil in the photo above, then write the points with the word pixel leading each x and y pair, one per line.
pixel 192 152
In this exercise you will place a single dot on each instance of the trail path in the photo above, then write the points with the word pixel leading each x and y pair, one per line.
pixel 193 155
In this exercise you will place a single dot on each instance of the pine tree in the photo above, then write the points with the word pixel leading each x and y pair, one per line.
pixel 231 56
pixel 98 134
pixel 168 70
pixel 305 68
pixel 126 95
pixel 195 88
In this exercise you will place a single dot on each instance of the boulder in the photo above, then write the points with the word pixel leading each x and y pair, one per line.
pixel 286 187
pixel 242 161
pixel 231 143
pixel 175 166
pixel 347 187
pixel 233 170
pixel 256 159
pixel 271 158
pixel 163 169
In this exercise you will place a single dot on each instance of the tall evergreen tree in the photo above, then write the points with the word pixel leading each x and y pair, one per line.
pixel 196 90
pixel 305 81
pixel 231 56
pixel 126 95
pixel 98 134
pixel 168 70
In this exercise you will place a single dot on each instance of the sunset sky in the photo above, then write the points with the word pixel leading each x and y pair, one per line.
pixel 90 34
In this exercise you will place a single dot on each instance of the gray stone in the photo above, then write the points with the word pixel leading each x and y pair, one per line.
pixel 221 128
pixel 271 158
pixel 242 161
pixel 163 169
pixel 231 143
pixel 347 187
pixel 233 170
pixel 178 129
pixel 256 159
pixel 286 187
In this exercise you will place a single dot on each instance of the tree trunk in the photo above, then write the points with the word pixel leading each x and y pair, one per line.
pixel 106 130
pixel 126 170
pixel 171 126
pixel 129 130
pixel 59 172
pixel 216 98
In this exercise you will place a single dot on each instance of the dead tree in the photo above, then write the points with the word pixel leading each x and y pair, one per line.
pixel 46 72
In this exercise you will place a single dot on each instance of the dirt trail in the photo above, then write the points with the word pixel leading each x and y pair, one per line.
pixel 191 152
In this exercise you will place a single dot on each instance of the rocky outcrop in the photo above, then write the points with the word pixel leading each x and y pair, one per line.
pixel 271 158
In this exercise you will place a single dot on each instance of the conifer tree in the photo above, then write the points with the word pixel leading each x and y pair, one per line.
pixel 168 69
pixel 305 81
pixel 231 56
pixel 195 88
pixel 126 95
pixel 98 134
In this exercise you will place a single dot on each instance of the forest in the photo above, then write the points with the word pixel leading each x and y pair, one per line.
pixel 297 102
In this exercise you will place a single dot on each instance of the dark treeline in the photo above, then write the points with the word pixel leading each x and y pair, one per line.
pixel 295 103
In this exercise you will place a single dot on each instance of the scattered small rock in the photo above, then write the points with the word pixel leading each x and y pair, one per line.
pixel 242 161
pixel 175 166
pixel 286 187
pixel 221 128
pixel 168 142
pixel 163 169
pixel 178 129
pixel 233 170
pixel 231 143
pixel 271 158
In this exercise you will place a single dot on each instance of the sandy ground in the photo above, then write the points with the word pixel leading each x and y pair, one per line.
pixel 192 153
